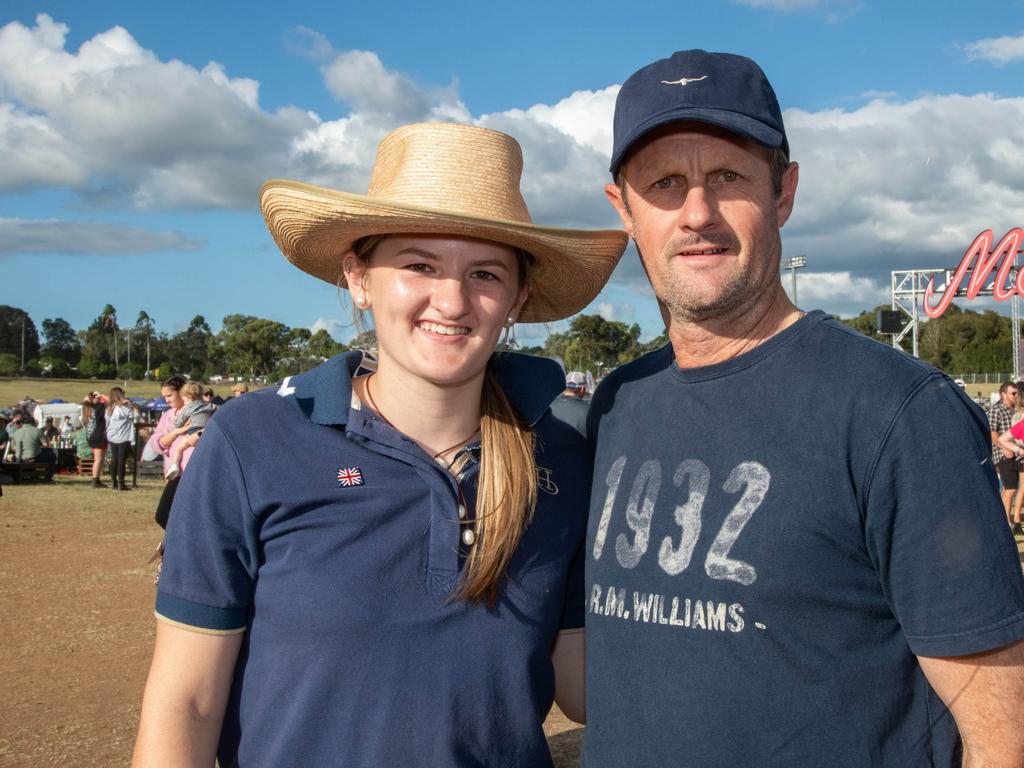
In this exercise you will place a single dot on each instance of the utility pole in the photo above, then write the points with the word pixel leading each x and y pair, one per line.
pixel 22 342
pixel 793 264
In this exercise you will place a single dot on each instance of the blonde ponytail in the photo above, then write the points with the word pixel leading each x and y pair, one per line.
pixel 506 492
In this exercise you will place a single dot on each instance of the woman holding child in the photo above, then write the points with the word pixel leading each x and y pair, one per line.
pixel 363 567
pixel 162 440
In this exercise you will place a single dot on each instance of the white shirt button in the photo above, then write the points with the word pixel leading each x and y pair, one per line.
pixel 462 512
pixel 468 537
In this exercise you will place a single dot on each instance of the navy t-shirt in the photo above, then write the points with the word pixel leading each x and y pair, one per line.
pixel 772 540
pixel 334 543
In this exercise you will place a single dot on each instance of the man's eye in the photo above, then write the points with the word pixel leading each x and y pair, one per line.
pixel 665 183
pixel 728 176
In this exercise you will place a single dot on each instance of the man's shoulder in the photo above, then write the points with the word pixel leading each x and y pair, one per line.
pixel 855 362
pixel 644 367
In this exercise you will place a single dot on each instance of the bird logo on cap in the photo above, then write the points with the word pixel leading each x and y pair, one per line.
pixel 685 80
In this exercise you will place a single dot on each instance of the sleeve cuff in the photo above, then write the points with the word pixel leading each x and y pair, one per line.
pixel 988 638
pixel 201 618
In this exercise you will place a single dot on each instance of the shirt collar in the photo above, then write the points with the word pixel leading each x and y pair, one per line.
pixel 324 393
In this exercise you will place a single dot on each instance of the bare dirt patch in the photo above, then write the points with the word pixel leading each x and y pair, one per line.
pixel 76 600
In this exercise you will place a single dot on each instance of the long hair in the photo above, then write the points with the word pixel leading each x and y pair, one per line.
pixel 87 407
pixel 506 492
pixel 115 398
pixel 507 484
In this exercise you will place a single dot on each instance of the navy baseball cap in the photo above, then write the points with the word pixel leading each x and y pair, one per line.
pixel 722 89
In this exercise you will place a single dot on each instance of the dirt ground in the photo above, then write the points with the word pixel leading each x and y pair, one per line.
pixel 76 633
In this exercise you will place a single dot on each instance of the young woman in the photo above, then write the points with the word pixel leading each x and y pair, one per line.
pixel 119 435
pixel 94 417
pixel 162 441
pixel 379 563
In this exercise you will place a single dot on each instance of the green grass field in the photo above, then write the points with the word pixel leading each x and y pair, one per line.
pixel 73 390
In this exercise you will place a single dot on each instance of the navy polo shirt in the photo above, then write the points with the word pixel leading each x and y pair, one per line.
pixel 334 543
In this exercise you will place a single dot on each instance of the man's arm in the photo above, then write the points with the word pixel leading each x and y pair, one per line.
pixel 985 693
pixel 1005 441
pixel 995 441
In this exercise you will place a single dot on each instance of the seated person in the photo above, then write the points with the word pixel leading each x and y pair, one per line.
pixel 29 444
pixel 51 433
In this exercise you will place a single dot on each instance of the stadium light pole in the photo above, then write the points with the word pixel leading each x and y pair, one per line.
pixel 793 264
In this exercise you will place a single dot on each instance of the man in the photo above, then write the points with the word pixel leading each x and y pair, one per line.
pixel 29 443
pixel 569 405
pixel 1000 419
pixel 770 582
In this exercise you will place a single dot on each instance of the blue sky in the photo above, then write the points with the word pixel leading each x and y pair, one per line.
pixel 134 136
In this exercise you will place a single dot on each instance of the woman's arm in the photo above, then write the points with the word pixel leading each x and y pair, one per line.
pixel 186 694
pixel 167 439
pixel 568 657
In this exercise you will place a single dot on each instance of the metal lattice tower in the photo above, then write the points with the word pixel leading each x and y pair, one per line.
pixel 908 286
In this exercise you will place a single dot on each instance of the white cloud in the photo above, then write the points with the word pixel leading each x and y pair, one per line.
pixel 338 329
pixel 330 324
pixel 75 238
pixel 828 287
pixel 998 50
pixel 611 311
pixel 118 125
pixel 904 185
pixel 887 185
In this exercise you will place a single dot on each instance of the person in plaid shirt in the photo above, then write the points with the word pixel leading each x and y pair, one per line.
pixel 1000 419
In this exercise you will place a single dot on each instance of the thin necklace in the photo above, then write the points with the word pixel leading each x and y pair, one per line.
pixel 379 412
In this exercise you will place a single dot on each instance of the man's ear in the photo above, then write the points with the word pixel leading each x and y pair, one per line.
pixel 784 205
pixel 616 196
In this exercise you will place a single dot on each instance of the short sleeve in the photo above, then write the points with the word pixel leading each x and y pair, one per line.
pixel 211 547
pixel 575 591
pixel 936 531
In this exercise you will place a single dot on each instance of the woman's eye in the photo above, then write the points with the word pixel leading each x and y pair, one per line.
pixel 418 267
pixel 482 274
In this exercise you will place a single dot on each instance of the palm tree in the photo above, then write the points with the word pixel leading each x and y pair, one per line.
pixel 144 324
pixel 109 318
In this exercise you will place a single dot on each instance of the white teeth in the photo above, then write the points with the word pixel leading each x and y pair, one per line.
pixel 444 330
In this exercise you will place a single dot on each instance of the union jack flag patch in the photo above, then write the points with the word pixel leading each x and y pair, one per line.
pixel 349 476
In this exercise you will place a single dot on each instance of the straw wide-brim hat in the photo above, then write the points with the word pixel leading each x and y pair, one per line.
pixel 443 178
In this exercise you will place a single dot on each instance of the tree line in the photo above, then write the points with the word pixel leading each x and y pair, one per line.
pixel 110 348
pixel 254 347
